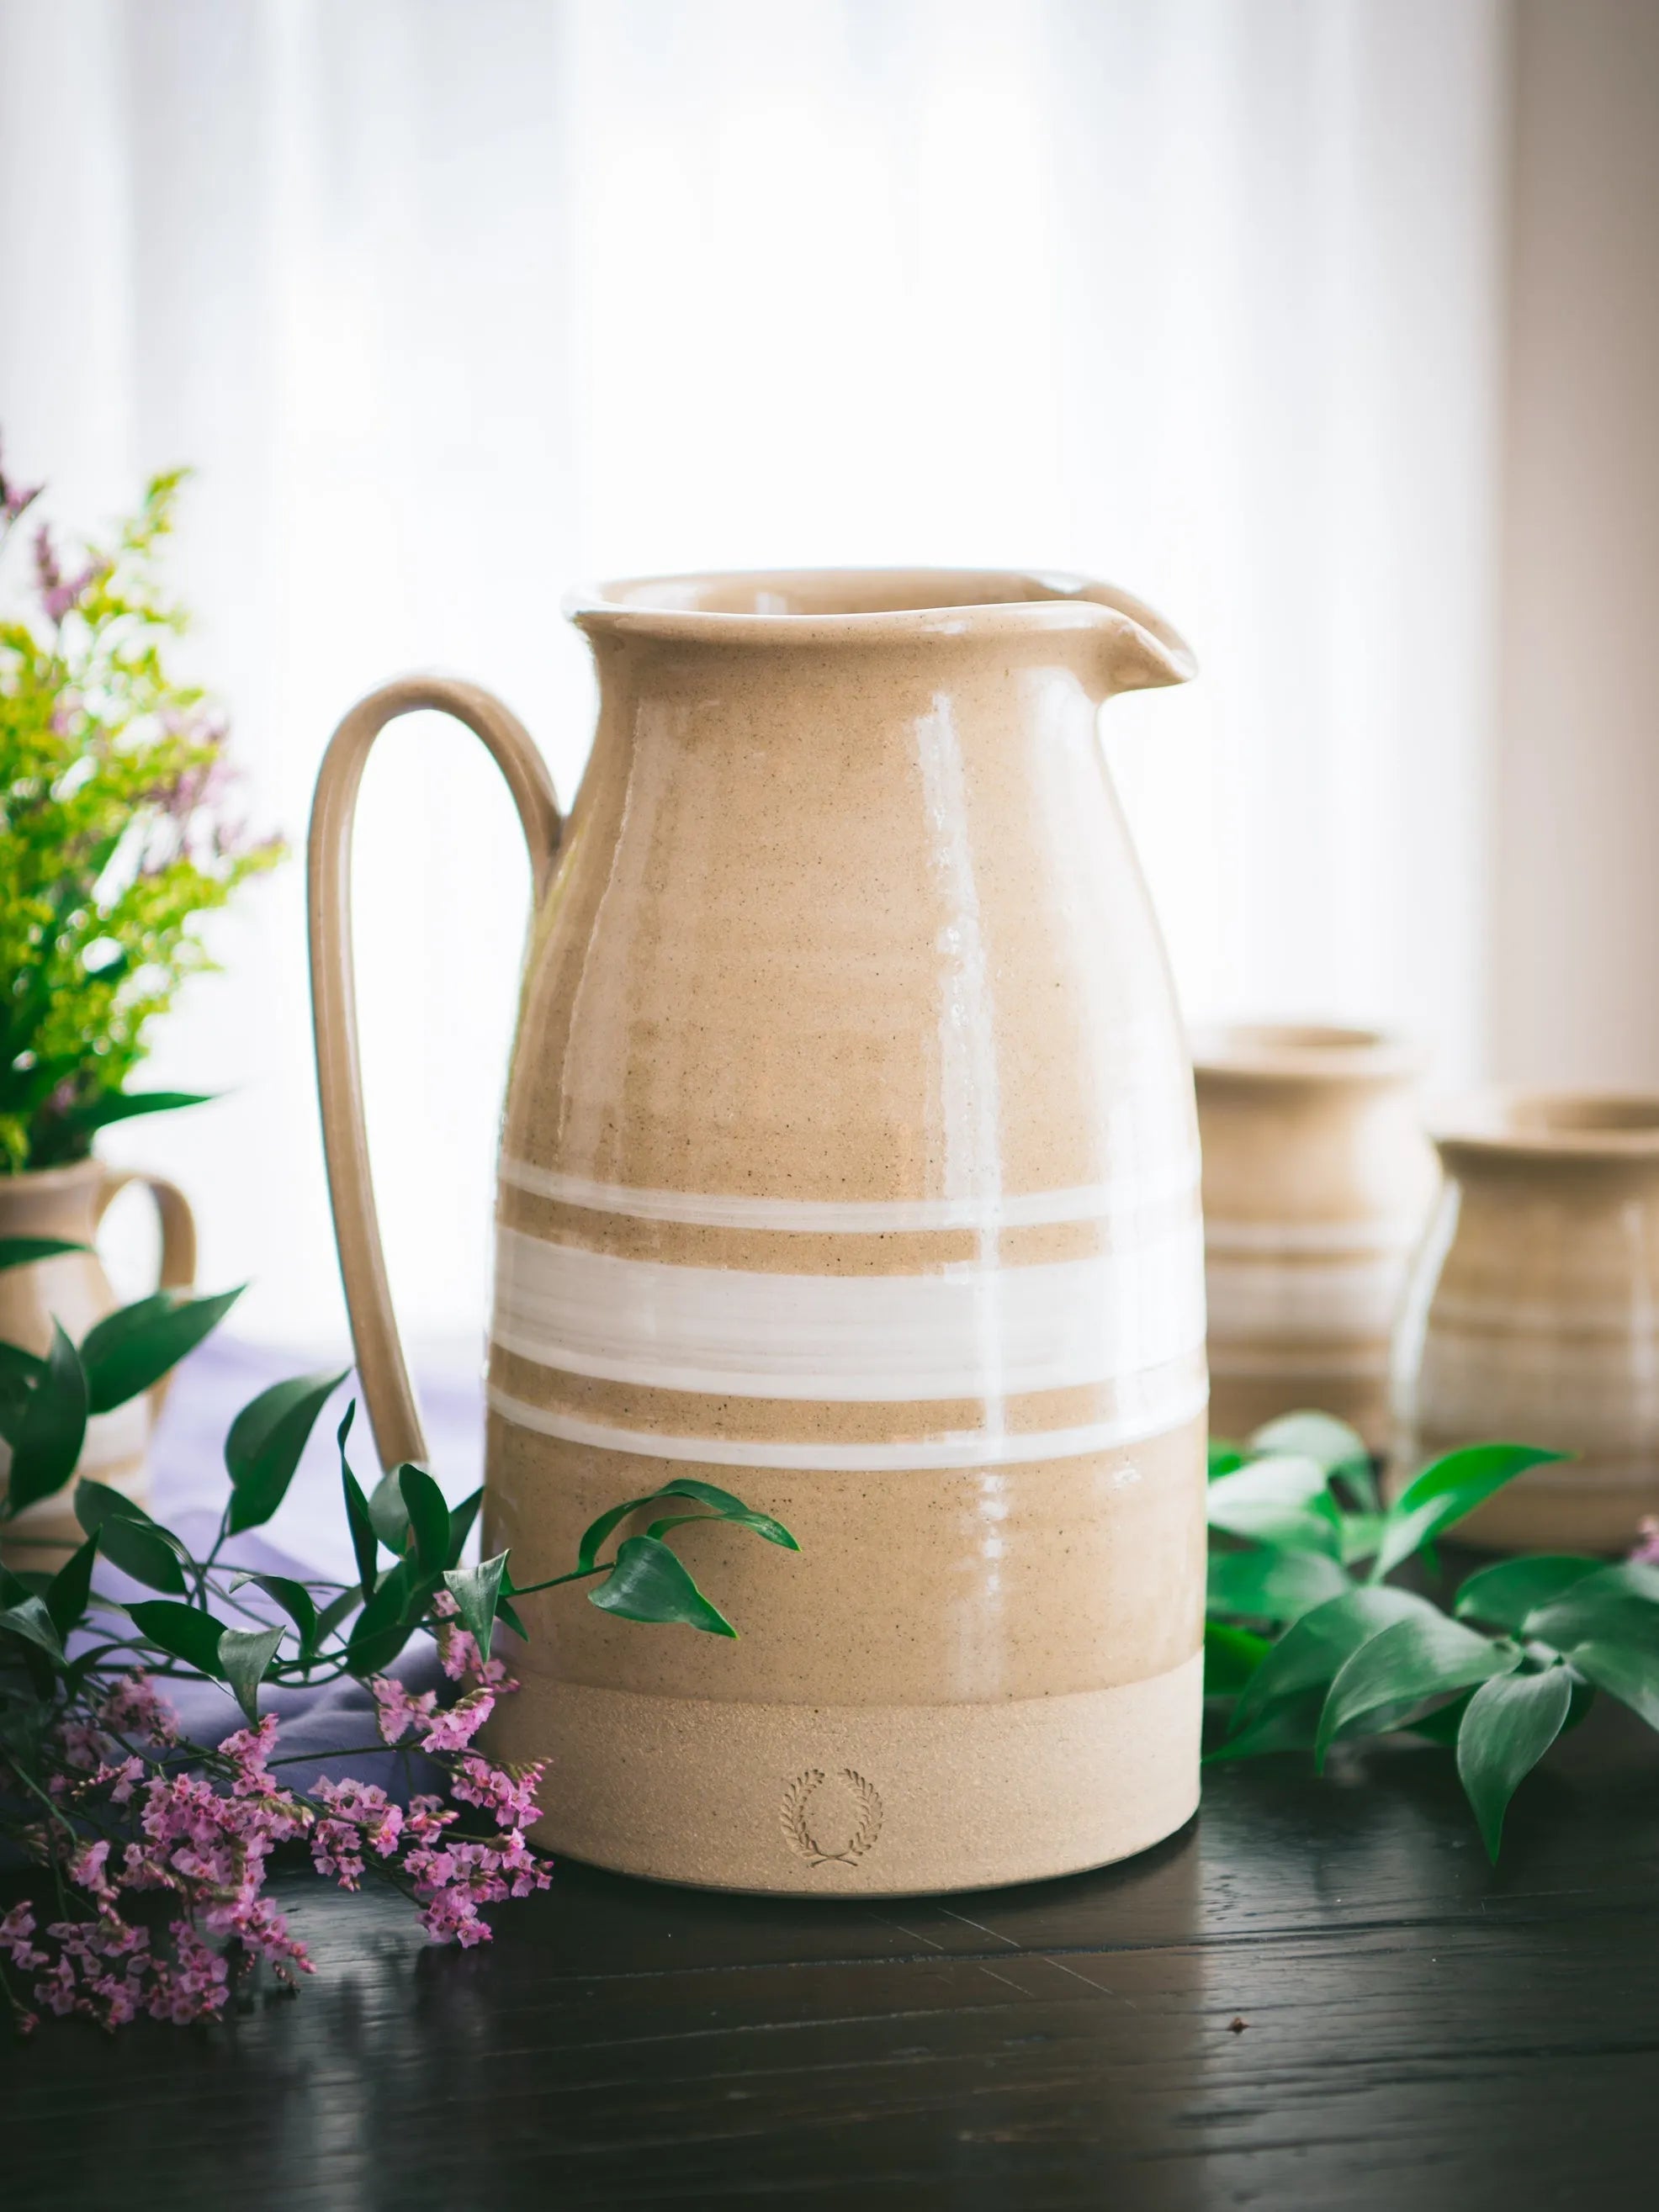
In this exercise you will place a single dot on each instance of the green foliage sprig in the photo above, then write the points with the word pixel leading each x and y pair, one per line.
pixel 1308 1643
pixel 116 832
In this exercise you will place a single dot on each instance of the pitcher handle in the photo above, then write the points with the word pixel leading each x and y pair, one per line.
pixel 178 1269
pixel 381 1367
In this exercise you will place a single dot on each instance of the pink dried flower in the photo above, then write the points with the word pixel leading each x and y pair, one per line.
pixel 511 1796
pixel 361 1812
pixel 396 1710
pixel 247 1750
pixel 15 1931
pixel 60 594
pixel 121 1780
pixel 136 1707
pixel 85 1870
pixel 454 1728
pixel 1645 1550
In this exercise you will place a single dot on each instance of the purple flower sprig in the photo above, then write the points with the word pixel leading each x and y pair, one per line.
pixel 199 1825
pixel 157 1846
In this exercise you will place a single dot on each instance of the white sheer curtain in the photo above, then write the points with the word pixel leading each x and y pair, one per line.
pixel 451 304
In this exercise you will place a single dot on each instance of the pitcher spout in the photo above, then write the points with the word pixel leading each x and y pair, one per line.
pixel 1138 650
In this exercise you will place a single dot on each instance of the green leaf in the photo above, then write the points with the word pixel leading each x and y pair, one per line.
pixel 1281 1502
pixel 129 1539
pixel 1288 1724
pixel 1361 1534
pixel 1403 1665
pixel 1630 1673
pixel 380 1631
pixel 1261 1584
pixel 244 1656
pixel 24 1251
pixel 68 1592
pixel 428 1517
pixel 1309 1654
pixel 1613 1605
pixel 725 1507
pixel 1441 1724
pixel 1505 1594
pixel 183 1631
pixel 477 1591
pixel 650 1582
pixel 20 1371
pixel 33 1621
pixel 1340 1450
pixel 1446 1490
pixel 359 1518
pixel 1510 1722
pixel 461 1518
pixel 123 1105
pixel 1318 1436
pixel 587 1550
pixel 297 1602
pixel 504 1612
pixel 265 1442
pixel 1224 1457
pixel 52 1430
pixel 128 1351
pixel 388 1514
pixel 1232 1656
pixel 337 1610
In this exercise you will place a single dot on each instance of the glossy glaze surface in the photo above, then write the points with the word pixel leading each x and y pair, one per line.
pixel 1317 1181
pixel 1534 1313
pixel 849 1161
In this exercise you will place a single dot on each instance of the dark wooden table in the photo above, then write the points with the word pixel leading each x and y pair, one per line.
pixel 1419 2032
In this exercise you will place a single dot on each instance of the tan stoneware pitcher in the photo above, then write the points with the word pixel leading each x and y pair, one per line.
pixel 1317 1182
pixel 849 1161
pixel 71 1287
pixel 1533 1314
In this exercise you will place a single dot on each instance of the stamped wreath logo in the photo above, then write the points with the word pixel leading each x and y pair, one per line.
pixel 831 1818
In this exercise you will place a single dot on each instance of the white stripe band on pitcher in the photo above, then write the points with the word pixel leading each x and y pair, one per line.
pixel 962 1332
pixel 964 1448
pixel 1099 1201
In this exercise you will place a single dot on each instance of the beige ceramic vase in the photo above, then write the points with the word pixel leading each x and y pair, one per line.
pixel 1317 1181
pixel 72 1288
pixel 1533 1315
pixel 850 1161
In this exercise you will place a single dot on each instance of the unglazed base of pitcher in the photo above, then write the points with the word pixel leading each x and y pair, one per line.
pixel 859 1800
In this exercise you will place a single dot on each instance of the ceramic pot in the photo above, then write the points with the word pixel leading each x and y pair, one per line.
pixel 73 1288
pixel 849 1161
pixel 1317 1180
pixel 1533 1315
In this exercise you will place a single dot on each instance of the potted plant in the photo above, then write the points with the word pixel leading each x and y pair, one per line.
pixel 115 837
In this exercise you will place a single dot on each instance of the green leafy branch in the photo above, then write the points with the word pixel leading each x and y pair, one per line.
pixel 244 1630
pixel 118 830
pixel 1307 1642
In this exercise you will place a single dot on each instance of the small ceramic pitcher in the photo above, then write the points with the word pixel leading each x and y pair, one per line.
pixel 1533 1315
pixel 1317 1180
pixel 72 1288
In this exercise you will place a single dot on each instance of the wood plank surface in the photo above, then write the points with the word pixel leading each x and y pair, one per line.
pixel 1422 2032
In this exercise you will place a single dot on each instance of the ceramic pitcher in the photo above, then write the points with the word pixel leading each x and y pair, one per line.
pixel 72 1287
pixel 1317 1182
pixel 1533 1315
pixel 848 1162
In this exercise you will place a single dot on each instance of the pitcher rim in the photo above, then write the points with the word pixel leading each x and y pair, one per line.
pixel 663 607
pixel 1527 1123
